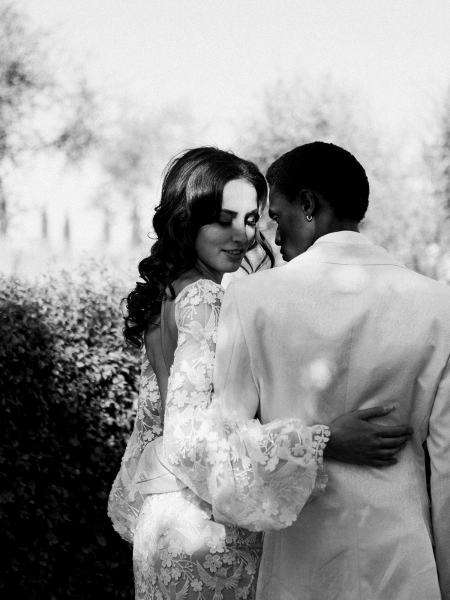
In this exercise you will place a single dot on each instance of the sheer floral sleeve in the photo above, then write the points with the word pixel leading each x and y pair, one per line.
pixel 255 476
pixel 126 497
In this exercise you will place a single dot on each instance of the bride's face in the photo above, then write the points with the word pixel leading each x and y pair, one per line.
pixel 222 245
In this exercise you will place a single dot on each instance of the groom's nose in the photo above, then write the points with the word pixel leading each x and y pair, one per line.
pixel 277 237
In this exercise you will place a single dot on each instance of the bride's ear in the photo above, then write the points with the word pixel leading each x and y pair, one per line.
pixel 308 203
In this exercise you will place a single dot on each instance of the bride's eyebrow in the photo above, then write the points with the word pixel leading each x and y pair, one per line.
pixel 233 213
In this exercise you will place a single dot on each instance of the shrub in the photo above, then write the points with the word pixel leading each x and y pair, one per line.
pixel 67 386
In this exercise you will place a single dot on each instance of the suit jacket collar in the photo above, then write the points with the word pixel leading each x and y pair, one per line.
pixel 346 248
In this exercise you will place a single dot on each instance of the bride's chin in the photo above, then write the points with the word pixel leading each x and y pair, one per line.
pixel 234 267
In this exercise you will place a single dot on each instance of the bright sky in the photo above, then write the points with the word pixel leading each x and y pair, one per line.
pixel 217 55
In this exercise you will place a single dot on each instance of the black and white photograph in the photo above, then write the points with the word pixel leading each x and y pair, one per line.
pixel 225 299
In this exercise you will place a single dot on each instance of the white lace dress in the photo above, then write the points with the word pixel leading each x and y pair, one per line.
pixel 173 494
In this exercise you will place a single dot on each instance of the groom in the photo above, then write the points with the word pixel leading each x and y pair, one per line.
pixel 345 326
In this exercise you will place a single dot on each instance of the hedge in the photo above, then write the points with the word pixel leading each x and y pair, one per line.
pixel 67 387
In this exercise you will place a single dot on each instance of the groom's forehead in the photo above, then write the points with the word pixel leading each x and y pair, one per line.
pixel 276 198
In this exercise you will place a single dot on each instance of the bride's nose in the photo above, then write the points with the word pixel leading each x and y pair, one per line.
pixel 240 233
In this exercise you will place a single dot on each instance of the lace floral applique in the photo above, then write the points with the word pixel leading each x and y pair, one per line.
pixel 125 501
pixel 192 557
pixel 149 417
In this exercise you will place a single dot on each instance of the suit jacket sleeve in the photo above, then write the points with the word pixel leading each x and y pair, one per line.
pixel 438 443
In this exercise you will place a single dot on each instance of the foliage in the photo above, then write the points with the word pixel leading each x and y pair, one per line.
pixel 294 112
pixel 81 125
pixel 21 78
pixel 131 158
pixel 437 175
pixel 68 388
pixel 21 81
pixel 442 150
pixel 38 112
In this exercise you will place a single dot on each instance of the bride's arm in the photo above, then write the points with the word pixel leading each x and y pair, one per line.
pixel 256 476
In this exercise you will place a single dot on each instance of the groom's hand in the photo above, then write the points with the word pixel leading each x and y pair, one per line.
pixel 354 439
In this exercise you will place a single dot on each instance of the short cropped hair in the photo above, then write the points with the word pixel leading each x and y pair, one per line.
pixel 325 168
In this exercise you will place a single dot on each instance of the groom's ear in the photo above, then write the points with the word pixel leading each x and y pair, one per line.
pixel 308 202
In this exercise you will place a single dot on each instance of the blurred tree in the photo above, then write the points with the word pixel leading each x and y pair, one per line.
pixel 294 112
pixel 102 201
pixel 37 112
pixel 443 151
pixel 44 224
pixel 22 80
pixel 132 157
pixel 80 121
pixel 299 111
pixel 437 174
pixel 67 232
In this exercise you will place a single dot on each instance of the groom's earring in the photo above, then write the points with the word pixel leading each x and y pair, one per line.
pixel 309 218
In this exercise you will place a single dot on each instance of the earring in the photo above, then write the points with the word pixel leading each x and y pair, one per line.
pixel 309 218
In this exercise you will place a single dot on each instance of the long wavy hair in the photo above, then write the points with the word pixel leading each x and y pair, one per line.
pixel 191 197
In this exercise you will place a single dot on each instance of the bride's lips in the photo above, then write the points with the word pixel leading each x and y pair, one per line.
pixel 234 253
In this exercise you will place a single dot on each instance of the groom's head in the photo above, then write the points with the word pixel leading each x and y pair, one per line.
pixel 315 189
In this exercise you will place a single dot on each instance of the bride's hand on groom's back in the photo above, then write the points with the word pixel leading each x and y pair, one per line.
pixel 355 439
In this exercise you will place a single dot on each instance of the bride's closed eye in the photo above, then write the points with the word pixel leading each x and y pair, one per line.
pixel 251 220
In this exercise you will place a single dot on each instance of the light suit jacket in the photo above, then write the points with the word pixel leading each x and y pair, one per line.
pixel 341 327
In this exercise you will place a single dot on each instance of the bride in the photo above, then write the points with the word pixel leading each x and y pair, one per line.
pixel 251 477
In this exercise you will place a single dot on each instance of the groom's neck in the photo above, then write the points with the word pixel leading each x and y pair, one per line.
pixel 333 225
pixel 345 226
